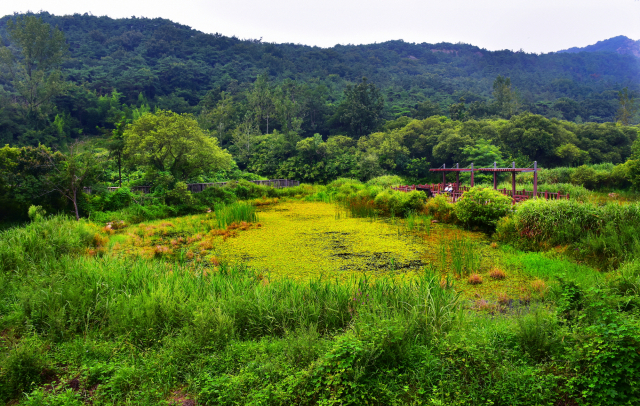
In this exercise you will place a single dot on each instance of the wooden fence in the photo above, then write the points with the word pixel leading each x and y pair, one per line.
pixel 199 187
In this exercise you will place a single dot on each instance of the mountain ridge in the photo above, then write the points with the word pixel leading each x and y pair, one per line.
pixel 620 44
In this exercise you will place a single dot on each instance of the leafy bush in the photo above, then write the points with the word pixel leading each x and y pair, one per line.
pixel 606 357
pixel 441 209
pixel 180 195
pixel 21 369
pixel 215 195
pixel 386 181
pixel 584 176
pixel 536 335
pixel 400 203
pixel 135 214
pixel 482 207
pixel 36 213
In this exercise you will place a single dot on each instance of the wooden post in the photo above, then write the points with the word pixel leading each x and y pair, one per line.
pixel 471 174
pixel 457 178
pixel 535 178
pixel 495 181
pixel 513 181
pixel 444 174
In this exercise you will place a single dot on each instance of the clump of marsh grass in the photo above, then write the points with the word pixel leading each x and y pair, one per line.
pixel 238 213
pixel 475 279
pixel 459 254
pixel 497 274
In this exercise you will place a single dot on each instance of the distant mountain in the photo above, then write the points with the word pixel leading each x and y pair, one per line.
pixel 176 67
pixel 620 45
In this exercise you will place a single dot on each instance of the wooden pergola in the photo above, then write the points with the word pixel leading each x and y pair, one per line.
pixel 517 196
pixel 457 171
pixel 495 170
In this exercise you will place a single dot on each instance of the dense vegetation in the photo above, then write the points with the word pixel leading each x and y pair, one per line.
pixel 169 66
pixel 81 325
pixel 119 305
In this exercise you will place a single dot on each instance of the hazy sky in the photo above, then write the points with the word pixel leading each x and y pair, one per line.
pixel 533 25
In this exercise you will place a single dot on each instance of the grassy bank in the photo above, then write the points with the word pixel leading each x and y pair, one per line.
pixel 77 328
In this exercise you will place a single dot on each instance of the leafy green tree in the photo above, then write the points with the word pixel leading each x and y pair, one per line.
pixel 245 138
pixel 174 144
pixel 115 145
pixel 261 100
pixel 572 154
pixel 506 99
pixel 457 110
pixel 36 71
pixel 483 154
pixel 426 109
pixel 388 147
pixel 361 108
pixel 220 119
pixel 70 173
pixel 627 107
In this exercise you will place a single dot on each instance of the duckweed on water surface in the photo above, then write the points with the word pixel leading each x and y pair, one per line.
pixel 308 239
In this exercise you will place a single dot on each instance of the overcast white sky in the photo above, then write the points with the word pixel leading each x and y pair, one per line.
pixel 531 25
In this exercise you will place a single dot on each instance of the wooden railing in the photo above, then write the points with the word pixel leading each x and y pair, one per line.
pixel 456 194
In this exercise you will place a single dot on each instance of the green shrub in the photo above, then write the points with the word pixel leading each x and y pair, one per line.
pixel 536 334
pixel 215 195
pixel 482 207
pixel 604 234
pixel 606 358
pixel 36 213
pixel 21 369
pixel 118 199
pixel 584 176
pixel 386 181
pixel 245 190
pixel 135 214
pixel 441 209
pixel 180 195
pixel 400 203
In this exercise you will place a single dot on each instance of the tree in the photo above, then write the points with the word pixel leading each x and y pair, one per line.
pixel 360 110
pixel 71 173
pixel 627 107
pixel 261 100
pixel 457 110
pixel 244 139
pixel 36 75
pixel 173 143
pixel 115 146
pixel 505 98
pixel 572 154
pixel 483 154
pixel 426 109
pixel 219 119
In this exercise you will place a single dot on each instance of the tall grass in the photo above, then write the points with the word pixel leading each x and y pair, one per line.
pixel 604 234
pixel 47 239
pixel 459 254
pixel 148 300
pixel 235 213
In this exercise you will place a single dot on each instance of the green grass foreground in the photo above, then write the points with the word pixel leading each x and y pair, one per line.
pixel 77 329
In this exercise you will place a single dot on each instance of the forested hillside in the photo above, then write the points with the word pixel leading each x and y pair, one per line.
pixel 619 45
pixel 155 62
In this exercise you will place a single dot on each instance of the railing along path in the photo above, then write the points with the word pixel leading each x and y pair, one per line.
pixel 436 189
